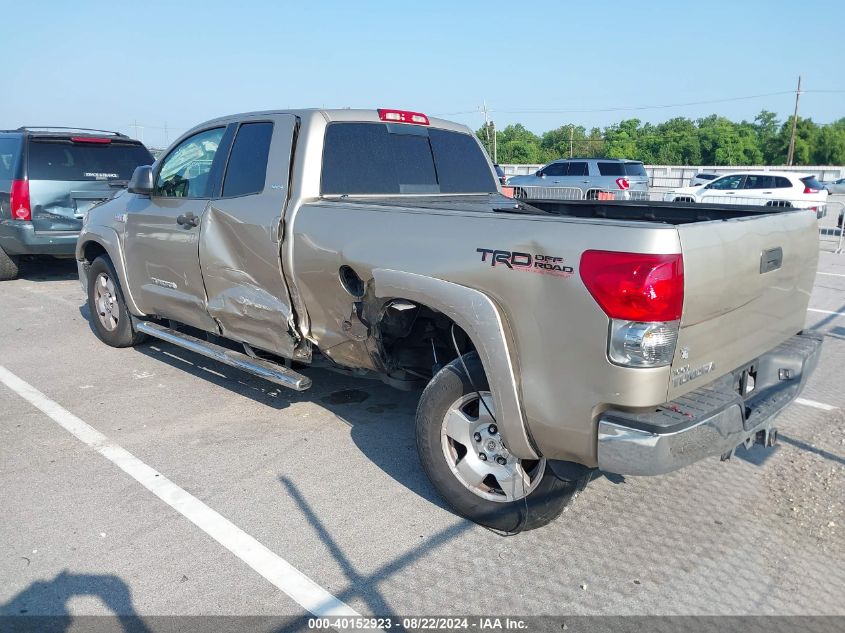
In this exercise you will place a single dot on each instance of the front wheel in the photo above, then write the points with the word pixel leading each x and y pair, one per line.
pixel 109 314
pixel 466 460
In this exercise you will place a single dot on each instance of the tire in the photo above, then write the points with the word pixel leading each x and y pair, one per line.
pixel 532 507
pixel 110 317
pixel 9 266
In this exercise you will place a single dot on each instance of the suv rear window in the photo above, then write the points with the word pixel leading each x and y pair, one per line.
pixel 63 159
pixel 611 169
pixel 385 158
pixel 635 169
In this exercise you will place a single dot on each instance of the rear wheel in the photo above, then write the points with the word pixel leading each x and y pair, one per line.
pixel 464 456
pixel 109 314
pixel 9 266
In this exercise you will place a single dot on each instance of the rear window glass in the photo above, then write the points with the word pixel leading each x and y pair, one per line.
pixel 611 169
pixel 577 169
pixel 756 181
pixel 782 183
pixel 635 169
pixel 8 156
pixel 812 183
pixel 247 165
pixel 378 158
pixel 66 160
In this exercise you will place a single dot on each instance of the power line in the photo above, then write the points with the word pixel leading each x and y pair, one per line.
pixel 643 107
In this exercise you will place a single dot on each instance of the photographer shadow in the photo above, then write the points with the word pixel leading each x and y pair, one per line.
pixel 43 605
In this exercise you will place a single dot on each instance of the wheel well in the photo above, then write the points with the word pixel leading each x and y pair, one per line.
pixel 92 250
pixel 417 340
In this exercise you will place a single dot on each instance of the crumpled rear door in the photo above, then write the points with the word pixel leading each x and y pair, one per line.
pixel 241 239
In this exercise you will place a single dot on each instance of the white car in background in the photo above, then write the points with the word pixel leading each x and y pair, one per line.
pixel 768 188
pixel 702 178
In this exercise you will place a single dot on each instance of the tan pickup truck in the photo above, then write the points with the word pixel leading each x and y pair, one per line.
pixel 548 338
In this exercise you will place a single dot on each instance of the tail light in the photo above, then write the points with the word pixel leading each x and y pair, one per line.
pixel 19 201
pixel 623 183
pixel 810 190
pixel 402 116
pixel 635 286
pixel 643 295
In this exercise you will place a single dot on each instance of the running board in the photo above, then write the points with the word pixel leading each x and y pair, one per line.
pixel 275 373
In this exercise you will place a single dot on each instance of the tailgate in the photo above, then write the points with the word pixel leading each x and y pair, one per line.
pixel 747 283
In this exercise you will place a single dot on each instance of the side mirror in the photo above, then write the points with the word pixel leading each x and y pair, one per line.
pixel 540 174
pixel 708 186
pixel 142 181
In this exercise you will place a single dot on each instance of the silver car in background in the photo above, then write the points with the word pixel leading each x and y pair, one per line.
pixel 589 178
pixel 835 186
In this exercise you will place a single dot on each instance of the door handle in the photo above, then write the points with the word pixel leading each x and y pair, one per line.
pixel 188 220
pixel 730 193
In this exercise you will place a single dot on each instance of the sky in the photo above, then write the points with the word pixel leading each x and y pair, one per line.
pixel 167 66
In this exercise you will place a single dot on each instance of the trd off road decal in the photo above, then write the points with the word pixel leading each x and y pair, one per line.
pixel 542 264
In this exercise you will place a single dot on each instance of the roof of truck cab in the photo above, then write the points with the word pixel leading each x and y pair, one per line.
pixel 330 115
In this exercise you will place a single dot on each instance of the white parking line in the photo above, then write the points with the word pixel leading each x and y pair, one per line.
pixel 818 272
pixel 815 405
pixel 274 568
pixel 826 311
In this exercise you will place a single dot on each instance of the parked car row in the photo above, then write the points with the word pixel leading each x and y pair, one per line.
pixel 49 178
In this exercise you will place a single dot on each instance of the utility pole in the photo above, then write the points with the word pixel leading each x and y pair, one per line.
pixel 488 125
pixel 571 132
pixel 165 134
pixel 791 153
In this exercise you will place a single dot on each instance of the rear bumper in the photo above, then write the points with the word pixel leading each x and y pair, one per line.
pixel 20 238
pixel 712 420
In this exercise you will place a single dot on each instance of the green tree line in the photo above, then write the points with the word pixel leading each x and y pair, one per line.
pixel 712 140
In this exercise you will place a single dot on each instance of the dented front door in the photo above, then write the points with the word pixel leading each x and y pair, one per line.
pixel 241 237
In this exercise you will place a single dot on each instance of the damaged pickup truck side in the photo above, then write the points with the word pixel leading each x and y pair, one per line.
pixel 549 338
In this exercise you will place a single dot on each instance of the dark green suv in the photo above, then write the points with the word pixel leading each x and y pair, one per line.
pixel 49 177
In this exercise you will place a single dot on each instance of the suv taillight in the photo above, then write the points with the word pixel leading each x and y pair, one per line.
pixel 623 183
pixel 643 295
pixel 810 190
pixel 19 201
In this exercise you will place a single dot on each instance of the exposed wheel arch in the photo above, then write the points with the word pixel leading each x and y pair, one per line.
pixel 480 318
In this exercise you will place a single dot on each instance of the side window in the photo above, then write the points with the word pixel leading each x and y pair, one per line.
pixel 555 169
pixel 577 169
pixel 758 182
pixel 247 165
pixel 782 183
pixel 184 173
pixel 728 182
pixel 8 153
pixel 611 169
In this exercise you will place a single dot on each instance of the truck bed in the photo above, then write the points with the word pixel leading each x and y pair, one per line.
pixel 653 211
pixel 673 213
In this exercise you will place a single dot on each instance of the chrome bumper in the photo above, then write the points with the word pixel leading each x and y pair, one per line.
pixel 712 420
